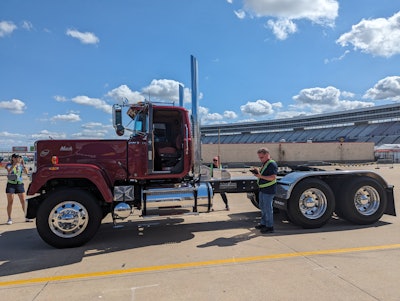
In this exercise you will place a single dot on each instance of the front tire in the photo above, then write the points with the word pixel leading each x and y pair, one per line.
pixel 363 201
pixel 68 218
pixel 311 203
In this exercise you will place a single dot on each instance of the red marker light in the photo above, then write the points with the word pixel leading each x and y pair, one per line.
pixel 54 160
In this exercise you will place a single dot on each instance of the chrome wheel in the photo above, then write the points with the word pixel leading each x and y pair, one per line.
pixel 313 203
pixel 68 219
pixel 367 200
pixel 362 201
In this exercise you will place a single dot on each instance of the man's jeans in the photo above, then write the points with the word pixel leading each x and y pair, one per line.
pixel 267 212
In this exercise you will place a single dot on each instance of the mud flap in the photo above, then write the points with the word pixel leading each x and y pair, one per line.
pixel 390 208
pixel 33 206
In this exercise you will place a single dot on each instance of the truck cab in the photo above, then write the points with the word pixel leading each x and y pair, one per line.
pixel 159 146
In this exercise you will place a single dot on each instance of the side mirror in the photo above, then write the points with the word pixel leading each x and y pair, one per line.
pixel 117 120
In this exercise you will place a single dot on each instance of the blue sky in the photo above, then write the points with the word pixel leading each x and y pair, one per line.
pixel 64 63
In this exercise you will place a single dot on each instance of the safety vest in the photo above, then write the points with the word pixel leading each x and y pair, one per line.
pixel 269 183
pixel 17 170
pixel 212 168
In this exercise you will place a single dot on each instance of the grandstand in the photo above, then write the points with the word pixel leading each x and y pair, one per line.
pixel 378 124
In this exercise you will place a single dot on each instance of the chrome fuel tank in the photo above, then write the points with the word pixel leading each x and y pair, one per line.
pixel 177 199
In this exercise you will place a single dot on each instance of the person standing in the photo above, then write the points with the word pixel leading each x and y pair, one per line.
pixel 267 184
pixel 218 165
pixel 15 184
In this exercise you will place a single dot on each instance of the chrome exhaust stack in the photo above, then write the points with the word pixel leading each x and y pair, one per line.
pixel 195 119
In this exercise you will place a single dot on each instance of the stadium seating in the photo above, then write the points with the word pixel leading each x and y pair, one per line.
pixel 379 124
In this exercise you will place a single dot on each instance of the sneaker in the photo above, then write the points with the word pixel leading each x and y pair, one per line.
pixel 259 226
pixel 267 230
pixel 227 208
pixel 28 220
pixel 9 222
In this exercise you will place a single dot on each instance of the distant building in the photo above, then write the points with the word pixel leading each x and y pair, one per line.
pixel 388 152
pixel 378 124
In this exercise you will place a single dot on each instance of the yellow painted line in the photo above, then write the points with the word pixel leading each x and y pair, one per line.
pixel 177 266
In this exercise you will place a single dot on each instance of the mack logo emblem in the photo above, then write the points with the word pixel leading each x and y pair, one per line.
pixel 66 148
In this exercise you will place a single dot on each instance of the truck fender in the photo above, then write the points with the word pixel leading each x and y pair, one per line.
pixel 90 172
pixel 287 183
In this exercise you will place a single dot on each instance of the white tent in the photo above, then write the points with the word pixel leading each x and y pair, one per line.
pixel 388 151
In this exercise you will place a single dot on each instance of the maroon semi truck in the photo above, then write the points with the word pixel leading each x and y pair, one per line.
pixel 157 171
pixel 78 182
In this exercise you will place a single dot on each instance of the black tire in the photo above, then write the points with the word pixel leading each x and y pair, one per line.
pixel 68 218
pixel 285 216
pixel 311 203
pixel 254 199
pixel 362 201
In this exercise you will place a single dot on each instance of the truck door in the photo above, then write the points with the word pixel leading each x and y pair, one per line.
pixel 141 146
pixel 150 141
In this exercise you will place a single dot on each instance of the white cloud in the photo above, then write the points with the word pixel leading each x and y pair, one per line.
pixel 317 96
pixel 164 89
pixel 321 100
pixel 335 59
pixel 257 108
pixel 71 117
pixel 93 130
pixel 379 37
pixel 318 11
pixel 230 115
pixel 123 93
pixel 93 102
pixel 277 105
pixel 209 118
pixel 27 25
pixel 45 134
pixel 6 28
pixel 347 94
pixel 293 112
pixel 11 139
pixel 92 125
pixel 206 117
pixel 241 14
pixel 387 88
pixel 353 104
pixel 282 28
pixel 11 135
pixel 322 12
pixel 15 106
pixel 60 98
pixel 90 134
pixel 247 120
pixel 213 117
pixel 83 37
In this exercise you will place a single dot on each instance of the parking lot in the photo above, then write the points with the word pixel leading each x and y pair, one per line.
pixel 214 256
